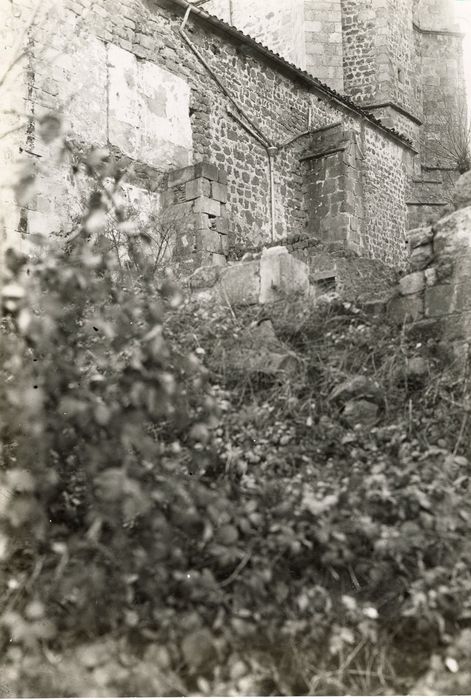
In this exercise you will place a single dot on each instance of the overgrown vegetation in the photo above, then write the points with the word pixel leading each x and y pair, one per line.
pixel 172 525
pixel 172 529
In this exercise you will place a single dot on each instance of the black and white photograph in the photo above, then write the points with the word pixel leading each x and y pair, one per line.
pixel 235 348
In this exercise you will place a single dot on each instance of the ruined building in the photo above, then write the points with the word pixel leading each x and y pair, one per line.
pixel 249 121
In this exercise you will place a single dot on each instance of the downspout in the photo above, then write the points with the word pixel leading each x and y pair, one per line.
pixel 269 147
pixel 271 152
pixel 213 75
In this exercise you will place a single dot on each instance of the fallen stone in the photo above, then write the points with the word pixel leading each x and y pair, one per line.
pixel 421 257
pixel 439 300
pixel 240 283
pixel 360 412
pixel 275 275
pixel 376 305
pixel 462 191
pixel 198 649
pixel 404 309
pixel 259 351
pixel 204 277
pixel 358 387
pixel 416 367
pixel 431 277
pixel 412 283
pixel 419 237
pixel 453 233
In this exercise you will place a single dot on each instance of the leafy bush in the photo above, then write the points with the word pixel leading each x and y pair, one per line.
pixel 171 527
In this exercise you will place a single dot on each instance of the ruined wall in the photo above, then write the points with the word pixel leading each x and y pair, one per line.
pixel 333 268
pixel 437 289
pixel 126 79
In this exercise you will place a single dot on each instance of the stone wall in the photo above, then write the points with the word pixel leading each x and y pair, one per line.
pixel 334 188
pixel 127 80
pixel 443 93
pixel 437 289
pixel 332 268
pixel 194 204
pixel 359 55
pixel 379 57
pixel 323 41
pixel 384 191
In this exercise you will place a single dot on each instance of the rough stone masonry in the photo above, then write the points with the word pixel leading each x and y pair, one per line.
pixel 125 78
pixel 296 157
pixel 436 291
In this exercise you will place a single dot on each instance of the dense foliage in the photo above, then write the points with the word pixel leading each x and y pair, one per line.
pixel 175 526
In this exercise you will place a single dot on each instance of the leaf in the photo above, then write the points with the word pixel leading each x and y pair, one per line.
pixel 318 506
pixel 110 484
pixel 452 665
pixel 227 535
pixel 102 414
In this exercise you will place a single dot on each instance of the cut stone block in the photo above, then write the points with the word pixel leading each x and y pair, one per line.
pixel 430 276
pixel 167 198
pixel 207 170
pixel 222 177
pixel 462 191
pixel 218 259
pixel 224 243
pixel 222 224
pixel 240 283
pixel 197 188
pixel 419 236
pixel 462 298
pixel 219 192
pixel 207 206
pixel 180 176
pixel 258 350
pixel 208 240
pixel 439 300
pixel 294 275
pixel 201 221
pixel 453 233
pixel 421 257
pixel 179 211
pixel 411 284
pixel 405 309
